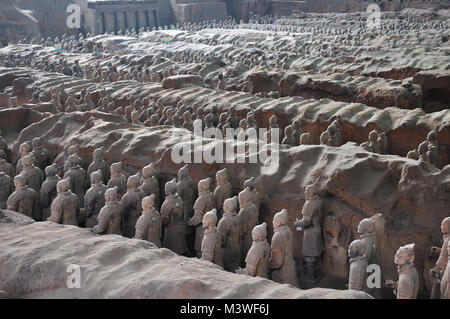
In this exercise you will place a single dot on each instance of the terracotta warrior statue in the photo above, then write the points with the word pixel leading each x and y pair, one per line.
pixel 94 200
pixel 229 228
pixel 223 190
pixel 24 150
pixel 187 190
pixel 407 285
pixel 249 185
pixel 117 179
pixel 373 144
pixel 24 200
pixel 65 208
pixel 33 175
pixel 6 189
pixel 149 225
pixel 109 220
pixel 5 167
pixel 249 219
pixel 358 265
pixel 212 243
pixel 257 261
pixel 282 260
pixel 173 221
pixel 77 177
pixel 433 147
pixel 73 150
pixel 149 183
pixel 40 154
pixel 311 225
pixel 48 190
pixel 441 272
pixel 204 203
pixel 366 228
pixel 99 163
pixel 132 208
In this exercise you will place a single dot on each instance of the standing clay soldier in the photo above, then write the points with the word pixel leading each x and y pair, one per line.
pixel 372 145
pixel 204 203
pixel 358 265
pixel 311 224
pixel 48 190
pixel 6 189
pixel 3 144
pixel 366 227
pixel 5 167
pixel 407 285
pixel 149 183
pixel 40 154
pixel 148 226
pixel 232 119
pixel 172 220
pixel 94 200
pixel 187 190
pixel 73 150
pixel 99 163
pixel 282 260
pixel 61 159
pixel 117 179
pixel 433 147
pixel 24 200
pixel 65 208
pixel 249 186
pixel 132 208
pixel 212 243
pixel 257 261
pixel 222 191
pixel 109 220
pixel 230 230
pixel 77 177
pixel 442 269
pixel 24 150
pixel 33 175
pixel 249 219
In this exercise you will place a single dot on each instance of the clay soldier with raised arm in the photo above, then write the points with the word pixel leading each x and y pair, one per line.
pixel 442 270
pixel 407 285
pixel 109 220
pixel 149 183
pixel 249 219
pixel 99 163
pixel 5 167
pixel 6 189
pixel 94 200
pixel 204 203
pixel 48 190
pixel 77 177
pixel 311 224
pixel 33 175
pixel 358 265
pixel 222 191
pixel 230 230
pixel 65 208
pixel 211 244
pixel 40 154
pixel 132 208
pixel 117 179
pixel 149 226
pixel 257 261
pixel 282 260
pixel 172 220
pixel 24 200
